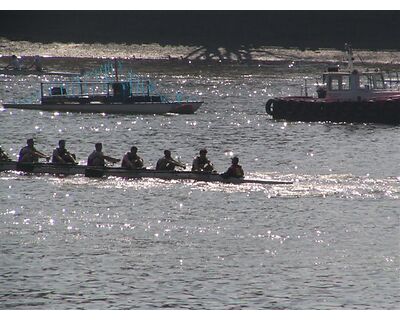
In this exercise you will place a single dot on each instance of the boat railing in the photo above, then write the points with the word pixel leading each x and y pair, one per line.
pixel 164 99
pixel 304 87
pixel 392 79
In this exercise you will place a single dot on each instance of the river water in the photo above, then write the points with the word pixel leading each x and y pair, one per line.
pixel 329 241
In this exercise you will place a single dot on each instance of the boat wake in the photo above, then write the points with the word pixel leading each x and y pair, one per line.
pixel 346 186
pixel 343 186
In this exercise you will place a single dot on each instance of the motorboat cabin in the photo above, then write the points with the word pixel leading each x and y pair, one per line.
pixel 352 84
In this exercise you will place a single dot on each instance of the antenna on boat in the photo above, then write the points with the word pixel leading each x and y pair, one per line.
pixel 361 59
pixel 116 69
pixel 350 58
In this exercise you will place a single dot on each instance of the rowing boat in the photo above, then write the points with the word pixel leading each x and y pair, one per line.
pixel 98 172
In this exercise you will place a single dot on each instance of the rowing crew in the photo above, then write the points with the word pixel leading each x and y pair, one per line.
pixel 131 159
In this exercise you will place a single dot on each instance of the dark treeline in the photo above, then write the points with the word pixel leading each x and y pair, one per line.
pixel 303 29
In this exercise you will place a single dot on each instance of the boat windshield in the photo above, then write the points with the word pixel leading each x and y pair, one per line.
pixel 372 81
pixel 337 82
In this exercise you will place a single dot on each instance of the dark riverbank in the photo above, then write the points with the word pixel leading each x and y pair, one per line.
pixel 231 29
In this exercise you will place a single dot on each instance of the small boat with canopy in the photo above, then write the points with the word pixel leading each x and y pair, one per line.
pixel 108 92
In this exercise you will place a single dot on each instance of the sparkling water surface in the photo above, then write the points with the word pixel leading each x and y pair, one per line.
pixel 329 241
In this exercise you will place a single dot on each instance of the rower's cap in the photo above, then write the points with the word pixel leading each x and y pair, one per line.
pixel 134 149
pixel 235 160
pixel 203 151
pixel 167 152
pixel 62 141
pixel 30 141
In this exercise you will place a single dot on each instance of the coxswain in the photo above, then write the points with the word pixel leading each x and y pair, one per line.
pixel 3 155
pixel 201 162
pixel 131 160
pixel 15 63
pixel 30 154
pixel 235 170
pixel 168 163
pixel 97 157
pixel 61 154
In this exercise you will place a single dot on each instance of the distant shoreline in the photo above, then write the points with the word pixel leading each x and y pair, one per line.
pixel 149 53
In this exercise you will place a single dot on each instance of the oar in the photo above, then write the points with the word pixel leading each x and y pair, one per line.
pixel 111 159
pixel 177 163
pixel 42 155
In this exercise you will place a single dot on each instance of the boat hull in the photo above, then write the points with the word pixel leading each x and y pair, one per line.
pixel 115 108
pixel 65 169
pixel 311 109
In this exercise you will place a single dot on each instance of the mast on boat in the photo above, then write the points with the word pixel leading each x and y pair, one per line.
pixel 350 58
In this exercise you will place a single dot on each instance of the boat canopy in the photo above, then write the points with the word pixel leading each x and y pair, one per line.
pixel 92 88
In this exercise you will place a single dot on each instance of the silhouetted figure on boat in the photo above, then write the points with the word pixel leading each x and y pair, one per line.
pixel 97 157
pixel 168 163
pixel 4 156
pixel 15 63
pixel 202 163
pixel 30 154
pixel 62 155
pixel 235 170
pixel 37 64
pixel 131 160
